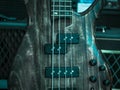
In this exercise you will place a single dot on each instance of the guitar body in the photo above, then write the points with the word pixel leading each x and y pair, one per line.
pixel 59 53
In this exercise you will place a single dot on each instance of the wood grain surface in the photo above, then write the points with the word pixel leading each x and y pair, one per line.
pixel 28 71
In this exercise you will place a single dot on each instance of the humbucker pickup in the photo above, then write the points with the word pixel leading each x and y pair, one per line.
pixel 62 72
pixel 68 38
pixel 62 89
pixel 55 49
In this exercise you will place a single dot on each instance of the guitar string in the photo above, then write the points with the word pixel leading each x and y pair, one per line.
pixel 53 29
pixel 59 27
pixel 65 43
pixel 71 48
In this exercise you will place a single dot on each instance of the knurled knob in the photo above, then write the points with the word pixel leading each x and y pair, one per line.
pixel 102 68
pixel 106 82
pixel 93 79
pixel 93 62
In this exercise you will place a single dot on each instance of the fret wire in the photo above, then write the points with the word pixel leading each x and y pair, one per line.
pixel 61 1
pixel 61 15
pixel 61 11
pixel 61 6
pixel 56 9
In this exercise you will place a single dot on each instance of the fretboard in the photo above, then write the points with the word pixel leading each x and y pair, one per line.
pixel 61 8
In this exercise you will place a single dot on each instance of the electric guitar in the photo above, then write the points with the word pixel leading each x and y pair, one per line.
pixel 59 51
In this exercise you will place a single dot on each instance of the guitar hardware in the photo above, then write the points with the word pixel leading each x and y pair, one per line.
pixel 93 79
pixel 63 39
pixel 62 72
pixel 56 49
pixel 93 62
pixel 102 68
pixel 92 88
pixel 59 51
pixel 106 82
pixel 68 38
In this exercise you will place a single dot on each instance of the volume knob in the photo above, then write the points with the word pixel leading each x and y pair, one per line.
pixel 92 88
pixel 102 68
pixel 93 62
pixel 93 79
pixel 106 82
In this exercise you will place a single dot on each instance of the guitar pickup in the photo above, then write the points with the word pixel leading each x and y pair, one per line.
pixel 62 72
pixel 68 38
pixel 62 89
pixel 55 49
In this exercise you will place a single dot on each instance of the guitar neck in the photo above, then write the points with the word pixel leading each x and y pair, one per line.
pixel 63 8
